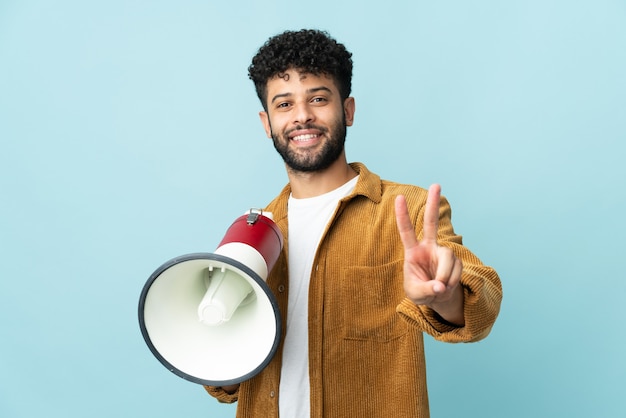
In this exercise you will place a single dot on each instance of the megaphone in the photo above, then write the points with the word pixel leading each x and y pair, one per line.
pixel 210 318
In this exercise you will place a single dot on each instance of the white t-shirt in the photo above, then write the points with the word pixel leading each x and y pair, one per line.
pixel 307 221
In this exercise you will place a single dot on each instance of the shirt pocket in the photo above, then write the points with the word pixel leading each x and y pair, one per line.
pixel 370 296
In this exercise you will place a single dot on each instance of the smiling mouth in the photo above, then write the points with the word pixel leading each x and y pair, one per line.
pixel 305 137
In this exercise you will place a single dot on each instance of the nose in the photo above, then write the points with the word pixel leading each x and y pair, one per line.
pixel 303 114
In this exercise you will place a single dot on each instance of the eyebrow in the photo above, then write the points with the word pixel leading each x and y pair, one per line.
pixel 309 91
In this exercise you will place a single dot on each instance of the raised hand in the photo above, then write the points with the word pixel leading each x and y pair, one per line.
pixel 432 274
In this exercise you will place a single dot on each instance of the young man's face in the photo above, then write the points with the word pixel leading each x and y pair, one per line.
pixel 306 119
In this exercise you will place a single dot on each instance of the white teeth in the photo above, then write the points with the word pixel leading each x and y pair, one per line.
pixel 304 138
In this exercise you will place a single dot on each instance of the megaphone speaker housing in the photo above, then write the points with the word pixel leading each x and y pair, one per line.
pixel 211 318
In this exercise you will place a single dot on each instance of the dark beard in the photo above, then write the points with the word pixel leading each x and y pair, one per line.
pixel 318 161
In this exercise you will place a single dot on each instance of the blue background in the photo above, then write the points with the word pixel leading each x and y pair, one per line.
pixel 129 135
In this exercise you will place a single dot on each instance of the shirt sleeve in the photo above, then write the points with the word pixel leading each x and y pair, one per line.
pixel 221 395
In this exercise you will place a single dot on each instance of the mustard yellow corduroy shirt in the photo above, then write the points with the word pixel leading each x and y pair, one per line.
pixel 366 349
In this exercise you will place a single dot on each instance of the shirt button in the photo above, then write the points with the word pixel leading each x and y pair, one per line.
pixel 281 288
pixel 272 394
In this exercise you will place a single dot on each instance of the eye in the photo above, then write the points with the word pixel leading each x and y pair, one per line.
pixel 319 100
pixel 283 105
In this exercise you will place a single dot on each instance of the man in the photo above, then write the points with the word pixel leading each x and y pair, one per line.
pixel 356 285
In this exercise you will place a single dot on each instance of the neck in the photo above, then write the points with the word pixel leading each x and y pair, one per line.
pixel 304 185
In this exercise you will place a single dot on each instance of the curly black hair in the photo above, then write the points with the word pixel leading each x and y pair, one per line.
pixel 309 51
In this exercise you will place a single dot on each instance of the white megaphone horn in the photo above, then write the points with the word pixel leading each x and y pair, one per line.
pixel 210 318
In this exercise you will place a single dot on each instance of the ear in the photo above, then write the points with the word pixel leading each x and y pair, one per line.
pixel 265 120
pixel 349 108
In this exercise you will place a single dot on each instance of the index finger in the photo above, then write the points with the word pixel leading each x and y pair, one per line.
pixel 405 227
pixel 431 214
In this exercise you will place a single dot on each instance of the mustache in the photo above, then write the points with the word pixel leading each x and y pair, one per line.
pixel 306 126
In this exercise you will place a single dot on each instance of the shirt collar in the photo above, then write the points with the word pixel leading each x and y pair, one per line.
pixel 368 185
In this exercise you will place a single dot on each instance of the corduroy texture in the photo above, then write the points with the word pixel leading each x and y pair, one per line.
pixel 366 345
